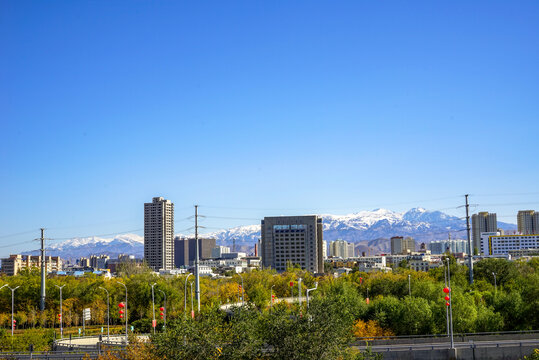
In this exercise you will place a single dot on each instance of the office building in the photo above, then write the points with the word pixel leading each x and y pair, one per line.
pixel 159 234
pixel 289 240
pixel 502 244
pixel 341 249
pixel 482 222
pixel 185 250
pixel 216 252
pixel 484 240
pixel 324 249
pixel 528 222
pixel 402 245
pixel 454 246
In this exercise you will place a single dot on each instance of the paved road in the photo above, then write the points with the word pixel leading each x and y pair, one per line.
pixel 446 345
pixel 93 340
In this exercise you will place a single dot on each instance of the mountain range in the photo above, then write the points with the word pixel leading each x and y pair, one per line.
pixel 370 230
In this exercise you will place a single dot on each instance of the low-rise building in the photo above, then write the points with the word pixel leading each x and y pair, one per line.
pixel 15 263
pixel 502 244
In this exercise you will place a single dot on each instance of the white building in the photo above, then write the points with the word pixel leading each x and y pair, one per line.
pixel 341 249
pixel 324 249
pixel 484 240
pixel 453 246
pixel 217 252
pixel 502 244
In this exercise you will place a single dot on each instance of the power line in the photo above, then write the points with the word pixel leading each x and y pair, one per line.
pixel 17 234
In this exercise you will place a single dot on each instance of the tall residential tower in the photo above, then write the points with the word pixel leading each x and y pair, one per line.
pixel 159 234
pixel 482 222
pixel 528 222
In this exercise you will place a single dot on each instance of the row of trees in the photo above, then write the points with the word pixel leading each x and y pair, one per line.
pixel 479 307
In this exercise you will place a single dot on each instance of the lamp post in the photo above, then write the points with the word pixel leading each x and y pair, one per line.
pixel 153 309
pixel 446 308
pixel 409 286
pixel 299 291
pixel 185 296
pixel 450 299
pixel 495 286
pixel 309 290
pixel 192 307
pixel 12 305
pixel 125 309
pixel 61 313
pixel 108 312
pixel 242 296
pixel 164 309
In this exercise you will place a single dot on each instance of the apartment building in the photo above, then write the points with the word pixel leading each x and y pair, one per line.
pixel 159 234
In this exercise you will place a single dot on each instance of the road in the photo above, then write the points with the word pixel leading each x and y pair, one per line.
pixel 446 345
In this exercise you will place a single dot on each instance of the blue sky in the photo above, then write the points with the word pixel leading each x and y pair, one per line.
pixel 262 108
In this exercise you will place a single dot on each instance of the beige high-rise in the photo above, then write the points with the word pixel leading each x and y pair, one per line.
pixel 401 245
pixel 159 234
pixel 528 222
pixel 482 222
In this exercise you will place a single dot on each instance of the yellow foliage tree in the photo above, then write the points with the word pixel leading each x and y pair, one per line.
pixel 370 329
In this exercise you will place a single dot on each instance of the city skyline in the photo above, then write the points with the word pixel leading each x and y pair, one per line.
pixel 366 105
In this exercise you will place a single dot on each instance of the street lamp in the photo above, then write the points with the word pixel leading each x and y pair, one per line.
pixel 108 312
pixel 446 308
pixel 308 290
pixel 164 308
pixel 61 313
pixel 242 296
pixel 192 306
pixel 495 286
pixel 409 286
pixel 450 299
pixel 153 309
pixel 299 291
pixel 121 283
pixel 12 305
pixel 185 296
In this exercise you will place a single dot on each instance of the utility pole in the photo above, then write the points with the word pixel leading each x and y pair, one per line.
pixel 470 248
pixel 197 267
pixel 43 271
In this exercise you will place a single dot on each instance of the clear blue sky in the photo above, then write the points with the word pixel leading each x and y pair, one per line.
pixel 262 108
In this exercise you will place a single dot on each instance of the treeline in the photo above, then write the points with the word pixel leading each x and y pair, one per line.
pixel 480 307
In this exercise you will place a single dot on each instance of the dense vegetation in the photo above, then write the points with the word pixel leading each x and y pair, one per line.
pixel 338 308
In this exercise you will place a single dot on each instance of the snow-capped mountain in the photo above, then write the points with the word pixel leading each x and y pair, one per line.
pixel 131 244
pixel 372 226
pixel 369 229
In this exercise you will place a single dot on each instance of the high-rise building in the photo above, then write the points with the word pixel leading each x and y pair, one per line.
pixel 185 250
pixel 342 249
pixel 528 222
pixel 294 240
pixel 482 222
pixel 402 245
pixel 159 234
